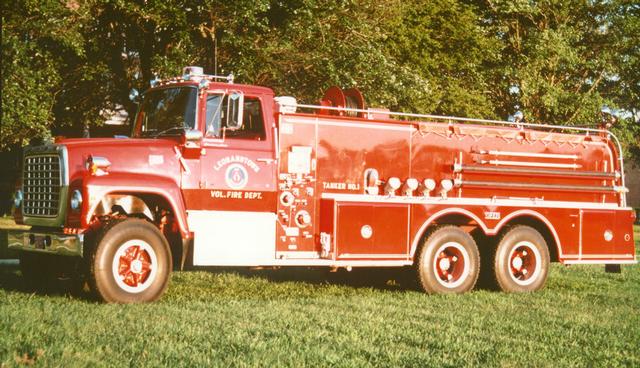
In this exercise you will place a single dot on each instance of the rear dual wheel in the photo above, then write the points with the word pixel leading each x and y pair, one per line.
pixel 521 260
pixel 131 262
pixel 448 262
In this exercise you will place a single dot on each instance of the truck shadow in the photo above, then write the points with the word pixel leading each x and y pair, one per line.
pixel 11 280
pixel 392 279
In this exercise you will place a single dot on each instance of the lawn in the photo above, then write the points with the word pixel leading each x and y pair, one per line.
pixel 583 317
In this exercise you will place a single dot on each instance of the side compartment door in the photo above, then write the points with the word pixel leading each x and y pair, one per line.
pixel 297 217
pixel 595 227
pixel 606 234
pixel 372 231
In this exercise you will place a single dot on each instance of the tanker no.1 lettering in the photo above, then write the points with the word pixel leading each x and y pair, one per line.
pixel 340 186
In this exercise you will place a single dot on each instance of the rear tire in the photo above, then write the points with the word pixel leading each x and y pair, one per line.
pixel 448 262
pixel 131 262
pixel 521 262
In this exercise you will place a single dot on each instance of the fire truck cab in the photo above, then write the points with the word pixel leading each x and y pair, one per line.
pixel 222 174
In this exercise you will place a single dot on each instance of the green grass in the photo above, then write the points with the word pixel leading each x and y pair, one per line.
pixel 298 318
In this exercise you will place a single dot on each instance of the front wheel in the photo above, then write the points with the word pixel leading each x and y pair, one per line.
pixel 521 262
pixel 448 262
pixel 131 262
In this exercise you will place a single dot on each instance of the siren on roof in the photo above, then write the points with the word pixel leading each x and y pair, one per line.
pixel 286 104
pixel 189 72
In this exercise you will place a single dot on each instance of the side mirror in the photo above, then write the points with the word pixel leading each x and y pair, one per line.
pixel 192 138
pixel 234 111
pixel 134 95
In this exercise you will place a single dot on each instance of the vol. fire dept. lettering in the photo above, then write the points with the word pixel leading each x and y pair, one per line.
pixel 234 194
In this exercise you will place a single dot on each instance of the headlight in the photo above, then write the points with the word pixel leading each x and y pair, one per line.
pixel 76 200
pixel 18 197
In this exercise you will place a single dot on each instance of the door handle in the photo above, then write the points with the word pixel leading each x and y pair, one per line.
pixel 266 160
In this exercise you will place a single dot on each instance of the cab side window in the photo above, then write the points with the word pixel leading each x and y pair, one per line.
pixel 252 121
pixel 214 115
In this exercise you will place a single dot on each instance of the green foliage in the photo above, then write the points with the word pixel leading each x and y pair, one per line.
pixel 38 40
pixel 446 44
pixel 558 61
pixel 556 56
pixel 626 28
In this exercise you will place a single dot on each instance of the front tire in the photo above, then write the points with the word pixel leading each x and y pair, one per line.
pixel 521 262
pixel 448 262
pixel 131 262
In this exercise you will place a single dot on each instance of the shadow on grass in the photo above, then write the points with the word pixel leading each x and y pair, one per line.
pixel 11 280
pixel 383 279
pixel 399 279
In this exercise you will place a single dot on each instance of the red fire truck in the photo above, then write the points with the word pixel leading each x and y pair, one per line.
pixel 222 174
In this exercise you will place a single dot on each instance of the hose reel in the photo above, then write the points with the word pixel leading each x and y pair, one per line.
pixel 335 97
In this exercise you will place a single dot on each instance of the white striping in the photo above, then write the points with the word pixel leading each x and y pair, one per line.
pixel 371 256
pixel 530 154
pixel 354 125
pixel 606 261
pixel 531 164
pixel 597 256
pixel 332 263
pixel 456 201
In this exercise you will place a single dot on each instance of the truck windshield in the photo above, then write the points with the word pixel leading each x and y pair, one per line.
pixel 166 111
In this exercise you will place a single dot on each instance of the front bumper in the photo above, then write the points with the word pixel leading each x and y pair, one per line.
pixel 46 242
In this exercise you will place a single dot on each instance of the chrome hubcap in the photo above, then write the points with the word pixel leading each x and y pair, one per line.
pixel 135 266
pixel 525 263
pixel 451 266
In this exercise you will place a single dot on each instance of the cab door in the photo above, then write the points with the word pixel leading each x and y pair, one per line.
pixel 237 223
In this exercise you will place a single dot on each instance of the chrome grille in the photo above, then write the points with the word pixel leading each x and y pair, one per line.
pixel 42 182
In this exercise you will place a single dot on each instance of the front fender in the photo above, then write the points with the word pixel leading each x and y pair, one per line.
pixel 96 187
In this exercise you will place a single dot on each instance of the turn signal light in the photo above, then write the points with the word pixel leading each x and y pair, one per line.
pixel 98 165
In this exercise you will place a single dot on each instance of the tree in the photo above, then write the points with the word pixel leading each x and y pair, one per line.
pixel 626 90
pixel 562 61
pixel 63 63
pixel 38 40
pixel 446 44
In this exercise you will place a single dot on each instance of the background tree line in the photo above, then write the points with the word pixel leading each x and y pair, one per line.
pixel 559 61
